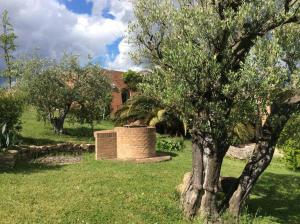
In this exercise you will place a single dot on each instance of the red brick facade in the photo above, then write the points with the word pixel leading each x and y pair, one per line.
pixel 120 88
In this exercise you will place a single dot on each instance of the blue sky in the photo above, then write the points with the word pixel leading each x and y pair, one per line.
pixel 85 27
pixel 86 7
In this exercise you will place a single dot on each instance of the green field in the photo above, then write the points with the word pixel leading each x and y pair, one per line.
pixel 118 192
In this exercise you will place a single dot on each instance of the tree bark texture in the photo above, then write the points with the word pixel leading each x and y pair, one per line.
pixel 58 122
pixel 199 193
pixel 261 157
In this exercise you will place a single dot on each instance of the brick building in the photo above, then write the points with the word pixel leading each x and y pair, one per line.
pixel 122 93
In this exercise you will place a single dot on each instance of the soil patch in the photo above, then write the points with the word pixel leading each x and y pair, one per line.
pixel 59 160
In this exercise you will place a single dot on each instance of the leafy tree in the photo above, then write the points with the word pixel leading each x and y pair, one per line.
pixel 7 44
pixel 217 63
pixel 61 89
pixel 94 95
pixel 132 79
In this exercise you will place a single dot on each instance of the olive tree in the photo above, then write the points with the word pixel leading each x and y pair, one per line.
pixel 201 55
pixel 64 89
pixel 8 46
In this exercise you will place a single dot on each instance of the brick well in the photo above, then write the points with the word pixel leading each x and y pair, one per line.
pixel 105 144
pixel 135 142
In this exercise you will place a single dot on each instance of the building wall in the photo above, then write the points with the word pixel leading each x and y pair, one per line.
pixel 117 80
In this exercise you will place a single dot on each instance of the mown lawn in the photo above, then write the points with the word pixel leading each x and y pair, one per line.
pixel 118 192
pixel 39 133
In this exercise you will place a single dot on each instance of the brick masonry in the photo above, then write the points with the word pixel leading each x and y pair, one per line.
pixel 126 143
pixel 136 143
pixel 105 144
pixel 116 78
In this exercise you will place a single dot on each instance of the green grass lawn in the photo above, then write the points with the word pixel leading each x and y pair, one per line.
pixel 39 133
pixel 118 192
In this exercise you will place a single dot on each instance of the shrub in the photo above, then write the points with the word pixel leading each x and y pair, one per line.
pixel 292 155
pixel 170 144
pixel 11 111
pixel 289 141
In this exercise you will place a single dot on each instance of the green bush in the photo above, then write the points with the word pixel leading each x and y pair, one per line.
pixel 11 111
pixel 170 144
pixel 291 155
pixel 289 141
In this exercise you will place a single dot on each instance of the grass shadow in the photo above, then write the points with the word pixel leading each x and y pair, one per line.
pixel 277 195
pixel 162 153
pixel 78 132
pixel 28 168
pixel 37 141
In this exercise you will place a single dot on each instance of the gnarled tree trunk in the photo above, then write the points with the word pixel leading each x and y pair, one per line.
pixel 199 191
pixel 262 155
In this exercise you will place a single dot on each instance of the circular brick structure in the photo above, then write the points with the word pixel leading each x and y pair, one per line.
pixel 135 142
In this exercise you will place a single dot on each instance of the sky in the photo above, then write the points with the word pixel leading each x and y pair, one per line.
pixel 85 27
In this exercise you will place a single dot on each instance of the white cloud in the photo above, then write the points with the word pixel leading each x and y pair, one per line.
pixel 52 28
pixel 122 61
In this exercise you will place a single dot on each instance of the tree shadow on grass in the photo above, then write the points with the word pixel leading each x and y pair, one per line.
pixel 78 132
pixel 162 153
pixel 28 168
pixel 37 141
pixel 277 195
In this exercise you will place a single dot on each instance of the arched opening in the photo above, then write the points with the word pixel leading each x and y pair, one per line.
pixel 125 95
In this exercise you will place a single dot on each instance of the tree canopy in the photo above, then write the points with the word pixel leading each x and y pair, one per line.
pixel 64 89
pixel 217 63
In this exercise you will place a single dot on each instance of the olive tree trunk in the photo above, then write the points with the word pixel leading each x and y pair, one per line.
pixel 199 191
pixel 261 157
pixel 58 122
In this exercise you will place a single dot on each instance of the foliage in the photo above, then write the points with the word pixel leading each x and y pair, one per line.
pixel 194 69
pixel 93 95
pixel 4 137
pixel 11 107
pixel 218 63
pixel 170 144
pixel 58 89
pixel 292 156
pixel 289 142
pixel 132 79
pixel 149 111
pixel 8 46
pixel 243 133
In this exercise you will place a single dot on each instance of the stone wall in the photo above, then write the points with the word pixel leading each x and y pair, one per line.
pixel 32 151
pixel 8 159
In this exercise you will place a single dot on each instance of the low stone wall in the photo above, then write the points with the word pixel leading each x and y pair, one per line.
pixel 8 159
pixel 33 151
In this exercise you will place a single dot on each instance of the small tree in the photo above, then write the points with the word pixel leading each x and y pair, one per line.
pixel 60 88
pixel 7 44
pixel 198 52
